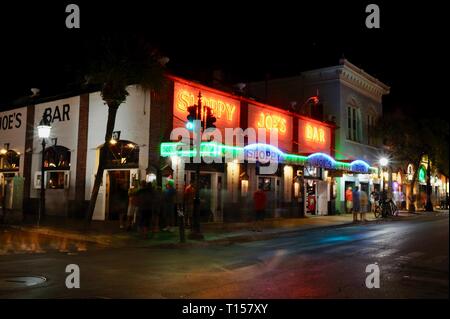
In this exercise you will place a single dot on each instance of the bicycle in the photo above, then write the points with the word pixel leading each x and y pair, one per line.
pixel 385 208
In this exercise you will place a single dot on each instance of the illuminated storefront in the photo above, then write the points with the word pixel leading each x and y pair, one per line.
pixel 12 149
pixel 304 176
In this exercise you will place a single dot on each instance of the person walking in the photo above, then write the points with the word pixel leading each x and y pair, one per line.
pixel 356 203
pixel 145 198
pixel 188 198
pixel 168 214
pixel 373 196
pixel 349 200
pixel 132 207
pixel 364 201
pixel 260 204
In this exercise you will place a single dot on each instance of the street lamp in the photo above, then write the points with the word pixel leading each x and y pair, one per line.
pixel 44 129
pixel 384 162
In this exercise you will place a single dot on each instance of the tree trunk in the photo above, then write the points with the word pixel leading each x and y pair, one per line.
pixel 429 204
pixel 112 111
pixel 412 205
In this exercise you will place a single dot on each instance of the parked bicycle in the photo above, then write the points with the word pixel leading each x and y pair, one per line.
pixel 385 208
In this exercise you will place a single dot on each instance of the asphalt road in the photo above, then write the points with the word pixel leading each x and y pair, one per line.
pixel 411 252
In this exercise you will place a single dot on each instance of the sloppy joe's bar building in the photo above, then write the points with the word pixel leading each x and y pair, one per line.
pixel 303 179
pixel 141 149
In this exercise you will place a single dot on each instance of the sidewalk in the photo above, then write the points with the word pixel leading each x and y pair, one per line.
pixel 107 233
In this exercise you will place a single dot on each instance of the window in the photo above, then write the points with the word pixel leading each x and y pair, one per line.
pixel 9 161
pixel 122 154
pixel 353 121
pixel 57 157
pixel 56 179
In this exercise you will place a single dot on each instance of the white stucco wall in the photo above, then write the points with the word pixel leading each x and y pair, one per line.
pixel 65 129
pixel 13 126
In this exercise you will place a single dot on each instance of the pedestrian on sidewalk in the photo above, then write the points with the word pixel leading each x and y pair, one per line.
pixel 188 199
pixel 145 197
pixel 364 201
pixel 132 207
pixel 259 203
pixel 168 214
pixel 349 200
pixel 356 203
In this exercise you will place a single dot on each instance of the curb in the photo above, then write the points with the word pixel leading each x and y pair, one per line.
pixel 249 238
pixel 53 233
pixel 205 243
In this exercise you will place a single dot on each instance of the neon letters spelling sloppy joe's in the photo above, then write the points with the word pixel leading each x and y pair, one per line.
pixel 222 109
pixel 272 121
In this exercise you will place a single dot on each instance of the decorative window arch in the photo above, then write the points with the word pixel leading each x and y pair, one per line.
pixel 122 154
pixel 354 127
pixel 57 157
pixel 9 161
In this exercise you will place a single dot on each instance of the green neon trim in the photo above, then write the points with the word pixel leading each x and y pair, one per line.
pixel 214 149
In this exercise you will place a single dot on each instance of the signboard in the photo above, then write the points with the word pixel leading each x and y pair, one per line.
pixel 313 137
pixel 225 109
pixel 260 117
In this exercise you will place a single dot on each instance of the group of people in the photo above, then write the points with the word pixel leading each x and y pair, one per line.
pixel 150 208
pixel 357 202
pixel 153 208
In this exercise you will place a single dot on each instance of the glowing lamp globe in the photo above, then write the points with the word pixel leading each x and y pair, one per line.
pixel 384 161
pixel 44 128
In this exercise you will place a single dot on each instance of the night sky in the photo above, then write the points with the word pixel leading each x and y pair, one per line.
pixel 245 41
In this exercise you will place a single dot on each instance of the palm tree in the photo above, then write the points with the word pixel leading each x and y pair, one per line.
pixel 121 61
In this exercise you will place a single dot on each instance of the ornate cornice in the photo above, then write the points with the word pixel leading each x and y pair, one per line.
pixel 351 76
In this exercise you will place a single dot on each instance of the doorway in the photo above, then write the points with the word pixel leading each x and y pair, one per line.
pixel 270 185
pixel 311 198
pixel 365 187
pixel 206 208
pixel 6 190
pixel 117 185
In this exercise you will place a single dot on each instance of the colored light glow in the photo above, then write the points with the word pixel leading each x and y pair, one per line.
pixel 3 151
pixel 257 146
pixel 360 162
pixel 384 161
pixel 271 121
pixel 223 108
pixel 326 156
pixel 215 149
pixel 314 134
pixel 190 126
pixel 422 174
pixel 395 185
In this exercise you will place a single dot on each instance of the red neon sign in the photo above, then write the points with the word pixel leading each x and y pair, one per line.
pixel 271 121
pixel 223 108
pixel 313 137
pixel 314 133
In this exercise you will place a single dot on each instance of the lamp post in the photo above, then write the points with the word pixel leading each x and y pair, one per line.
pixel 299 179
pixel 384 162
pixel 44 129
pixel 196 232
